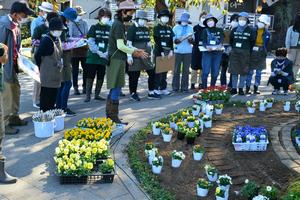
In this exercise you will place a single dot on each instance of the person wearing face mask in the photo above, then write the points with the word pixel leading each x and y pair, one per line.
pixel 281 72
pixel 138 36
pixel 79 29
pixel 213 41
pixel 183 53
pixel 97 61
pixel 225 55
pixel 196 63
pixel 242 39
pixel 10 35
pixel 117 51
pixel 163 39
pixel 68 16
pixel 259 53
pixel 44 9
pixel 49 60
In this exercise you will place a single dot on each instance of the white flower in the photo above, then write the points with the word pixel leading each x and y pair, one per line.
pixel 246 181
pixel 260 197
pixel 269 188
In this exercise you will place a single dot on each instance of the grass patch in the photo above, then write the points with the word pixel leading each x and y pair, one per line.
pixel 141 169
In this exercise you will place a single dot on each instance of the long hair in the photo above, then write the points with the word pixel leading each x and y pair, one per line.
pixel 296 26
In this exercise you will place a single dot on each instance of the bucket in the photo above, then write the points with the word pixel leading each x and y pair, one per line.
pixel 60 123
pixel 44 129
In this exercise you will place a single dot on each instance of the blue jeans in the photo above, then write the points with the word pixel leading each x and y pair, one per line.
pixel 235 81
pixel 63 95
pixel 210 63
pixel 114 93
pixel 257 78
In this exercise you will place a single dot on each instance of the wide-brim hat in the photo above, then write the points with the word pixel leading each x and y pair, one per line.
pixel 46 6
pixel 56 24
pixel 70 14
pixel 141 14
pixel 185 17
pixel 164 13
pixel 22 6
pixel 265 19
pixel 127 5
pixel 80 10
pixel 208 17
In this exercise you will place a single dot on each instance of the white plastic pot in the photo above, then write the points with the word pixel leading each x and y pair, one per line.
pixel 218 111
pixel 212 178
pixel 172 125
pixel 225 188
pixel 197 156
pixel 156 169
pixel 270 105
pixel 191 124
pixel 251 110
pixel 262 108
pixel 195 112
pixel 176 163
pixel 60 123
pixel 167 137
pixel 44 129
pixel 286 108
pixel 201 192
pixel 156 131
pixel 208 124
pixel 221 198
pixel 297 108
pixel 151 155
pixel 209 113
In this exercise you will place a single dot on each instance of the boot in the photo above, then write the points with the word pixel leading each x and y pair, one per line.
pixel 256 90
pixel 193 86
pixel 233 91
pixel 112 111
pixel 15 120
pixel 89 86
pixel 4 176
pixel 241 91
pixel 76 91
pixel 11 131
pixel 248 90
pixel 99 84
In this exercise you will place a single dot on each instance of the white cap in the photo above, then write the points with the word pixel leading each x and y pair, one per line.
pixel 265 19
pixel 46 6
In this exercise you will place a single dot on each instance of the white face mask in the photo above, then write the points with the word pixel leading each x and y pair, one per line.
pixel 210 24
pixel 234 24
pixel 104 20
pixel 45 16
pixel 141 22
pixel 184 23
pixel 47 23
pixel 23 21
pixel 260 25
pixel 201 21
pixel 164 19
pixel 242 22
pixel 56 33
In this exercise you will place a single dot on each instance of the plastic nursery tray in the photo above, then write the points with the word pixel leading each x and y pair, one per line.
pixel 200 102
pixel 255 146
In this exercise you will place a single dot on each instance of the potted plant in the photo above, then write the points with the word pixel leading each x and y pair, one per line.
pixel 177 158
pixel 181 130
pixel 44 124
pixel 270 102
pixel 198 152
pixel 167 133
pixel 191 121
pixel 224 182
pixel 107 169
pixel 191 134
pixel 195 110
pixel 157 164
pixel 209 109
pixel 249 190
pixel 220 194
pixel 211 172
pixel 260 197
pixel 203 187
pixel 297 106
pixel 270 192
pixel 172 121
pixel 262 106
pixel 156 128
pixel 219 109
pixel 150 151
pixel 199 126
pixel 207 121
pixel 287 106
pixel 251 106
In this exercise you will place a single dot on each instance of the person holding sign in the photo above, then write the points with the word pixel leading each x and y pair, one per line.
pixel 213 42
pixel 183 53
pixel 242 39
pixel 138 35
pixel 97 57
pixel 163 39
pixel 259 53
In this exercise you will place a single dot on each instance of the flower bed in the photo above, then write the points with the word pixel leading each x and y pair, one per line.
pixel 212 95
pixel 100 124
pixel 87 134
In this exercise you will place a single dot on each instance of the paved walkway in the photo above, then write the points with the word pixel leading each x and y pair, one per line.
pixel 31 159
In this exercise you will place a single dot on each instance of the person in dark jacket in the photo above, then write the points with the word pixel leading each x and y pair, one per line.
pixel 281 72
pixel 196 63
pixel 48 58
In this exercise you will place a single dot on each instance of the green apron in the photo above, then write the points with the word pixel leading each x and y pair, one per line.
pixel 239 60
pixel 115 73
pixel 258 58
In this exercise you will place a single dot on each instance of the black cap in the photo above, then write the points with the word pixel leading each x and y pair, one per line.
pixel 56 24
pixel 21 7
pixel 234 17
pixel 164 13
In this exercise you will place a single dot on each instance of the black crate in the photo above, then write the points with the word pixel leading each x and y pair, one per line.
pixel 96 177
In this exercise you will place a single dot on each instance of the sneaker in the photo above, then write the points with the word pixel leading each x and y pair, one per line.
pixel 17 121
pixel 241 91
pixel 135 97
pixel 154 96
pixel 69 113
pixel 165 92
pixel 275 92
pixel 11 131
pixel 286 92
pixel 233 91
pixel 76 91
pixel 36 105
pixel 193 86
pixel 157 92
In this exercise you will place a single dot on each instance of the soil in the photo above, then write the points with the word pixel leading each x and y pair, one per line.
pixel 264 168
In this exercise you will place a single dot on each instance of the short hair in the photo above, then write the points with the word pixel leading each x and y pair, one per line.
pixel 104 12
pixel 202 14
pixel 281 52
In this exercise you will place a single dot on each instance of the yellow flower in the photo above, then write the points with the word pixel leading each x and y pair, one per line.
pixel 110 162
pixel 66 167
pixel 73 167
pixel 94 151
pixel 90 166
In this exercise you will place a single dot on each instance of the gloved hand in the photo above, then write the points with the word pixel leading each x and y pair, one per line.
pixel 162 54
pixel 170 54
pixel 102 55
pixel 129 60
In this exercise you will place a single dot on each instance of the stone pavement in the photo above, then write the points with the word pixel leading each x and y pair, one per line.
pixel 31 159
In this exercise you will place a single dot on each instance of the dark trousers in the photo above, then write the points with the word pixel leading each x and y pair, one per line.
pixel 161 81
pixel 47 98
pixel 75 71
pixel 134 79
pixel 224 68
pixel 93 70
pixel 284 83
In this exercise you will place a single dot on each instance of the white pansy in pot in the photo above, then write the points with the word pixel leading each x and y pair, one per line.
pixel 207 121
pixel 177 158
pixel 251 106
pixel 196 110
pixel 211 172
pixel 209 110
pixel 262 105
pixel 224 182
pixel 287 106
pixel 157 164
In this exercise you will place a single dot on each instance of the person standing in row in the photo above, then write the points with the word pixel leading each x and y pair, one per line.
pixel 117 51
pixel 138 36
pixel 242 39
pixel 97 57
pixel 69 15
pixel 183 38
pixel 49 59
pixel 44 9
pixel 196 63
pixel 213 41
pixel 10 35
pixel 163 47
pixel 259 53
pixel 79 29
